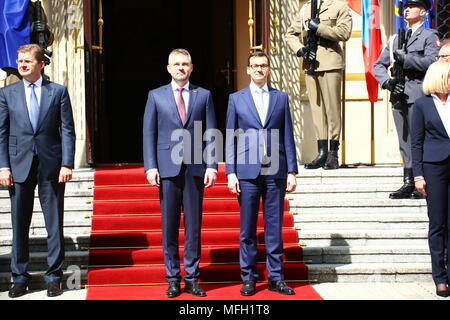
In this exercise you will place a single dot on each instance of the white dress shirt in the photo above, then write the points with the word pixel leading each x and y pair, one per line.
pixel 444 111
pixel 255 91
pixel 414 29
pixel 184 93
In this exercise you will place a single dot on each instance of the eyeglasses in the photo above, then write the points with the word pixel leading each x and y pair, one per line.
pixel 256 66
pixel 443 57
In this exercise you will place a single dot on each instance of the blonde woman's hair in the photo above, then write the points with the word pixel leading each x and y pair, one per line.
pixel 437 78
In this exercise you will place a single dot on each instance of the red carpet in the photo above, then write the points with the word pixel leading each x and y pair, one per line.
pixel 125 256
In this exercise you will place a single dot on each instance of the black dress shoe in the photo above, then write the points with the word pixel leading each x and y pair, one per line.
pixel 416 195
pixel 173 290
pixel 194 288
pixel 54 289
pixel 248 289
pixel 442 292
pixel 18 289
pixel 281 287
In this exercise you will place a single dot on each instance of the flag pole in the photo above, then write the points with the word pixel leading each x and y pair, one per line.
pixel 372 133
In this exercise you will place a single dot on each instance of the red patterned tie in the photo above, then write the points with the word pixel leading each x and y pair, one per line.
pixel 180 105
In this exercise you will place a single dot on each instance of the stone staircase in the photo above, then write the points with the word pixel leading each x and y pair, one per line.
pixel 350 230
pixel 76 231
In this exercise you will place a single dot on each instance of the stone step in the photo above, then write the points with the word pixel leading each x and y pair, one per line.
pixel 38 243
pixel 354 191
pixel 38 260
pixel 366 254
pixel 37 280
pixel 370 272
pixel 73 204
pixel 362 237
pixel 69 193
pixel 356 221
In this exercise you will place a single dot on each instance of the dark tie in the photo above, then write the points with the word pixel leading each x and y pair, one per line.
pixel 34 107
pixel 408 35
pixel 180 105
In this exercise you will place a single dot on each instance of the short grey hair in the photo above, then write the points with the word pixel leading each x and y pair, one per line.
pixel 180 51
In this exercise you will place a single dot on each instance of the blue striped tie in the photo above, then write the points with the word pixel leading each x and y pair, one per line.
pixel 34 107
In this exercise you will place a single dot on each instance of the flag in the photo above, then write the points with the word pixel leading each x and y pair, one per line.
pixel 14 30
pixel 355 5
pixel 428 20
pixel 371 41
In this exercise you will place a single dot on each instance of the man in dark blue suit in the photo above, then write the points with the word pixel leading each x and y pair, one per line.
pixel 177 117
pixel 260 162
pixel 37 147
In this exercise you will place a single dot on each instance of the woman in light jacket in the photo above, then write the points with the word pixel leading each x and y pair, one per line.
pixel 431 165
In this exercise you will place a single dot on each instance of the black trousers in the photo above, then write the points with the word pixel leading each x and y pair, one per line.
pixel 437 177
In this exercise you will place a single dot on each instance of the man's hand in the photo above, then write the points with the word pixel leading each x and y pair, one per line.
pixel 233 184
pixel 65 174
pixel 306 53
pixel 421 186
pixel 210 178
pixel 313 24
pixel 153 178
pixel 6 178
pixel 400 55
pixel 291 184
pixel 389 84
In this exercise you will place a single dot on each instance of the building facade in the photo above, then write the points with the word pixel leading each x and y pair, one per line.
pixel 109 53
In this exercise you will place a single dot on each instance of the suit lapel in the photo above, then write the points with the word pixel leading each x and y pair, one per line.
pixel 46 99
pixel 272 102
pixel 439 122
pixel 192 97
pixel 415 36
pixel 20 90
pixel 251 105
pixel 172 104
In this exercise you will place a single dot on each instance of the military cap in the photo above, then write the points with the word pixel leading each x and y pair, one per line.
pixel 421 3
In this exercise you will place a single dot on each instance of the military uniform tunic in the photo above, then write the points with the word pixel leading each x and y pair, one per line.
pixel 422 49
pixel 324 87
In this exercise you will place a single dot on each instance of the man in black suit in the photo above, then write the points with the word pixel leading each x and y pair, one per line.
pixel 37 147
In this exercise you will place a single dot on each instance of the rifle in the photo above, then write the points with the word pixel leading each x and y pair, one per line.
pixel 399 100
pixel 40 33
pixel 311 39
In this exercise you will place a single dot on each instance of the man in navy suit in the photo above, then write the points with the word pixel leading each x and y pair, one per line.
pixel 37 147
pixel 176 117
pixel 260 162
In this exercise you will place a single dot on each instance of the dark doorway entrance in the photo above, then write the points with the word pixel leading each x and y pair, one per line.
pixel 138 36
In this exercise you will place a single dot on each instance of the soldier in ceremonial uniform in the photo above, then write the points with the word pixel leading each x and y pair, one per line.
pixel 421 50
pixel 324 86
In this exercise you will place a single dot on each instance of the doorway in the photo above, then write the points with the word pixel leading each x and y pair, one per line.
pixel 138 36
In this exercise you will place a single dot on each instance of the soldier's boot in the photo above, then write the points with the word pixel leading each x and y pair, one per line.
pixel 417 195
pixel 407 188
pixel 319 161
pixel 333 158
